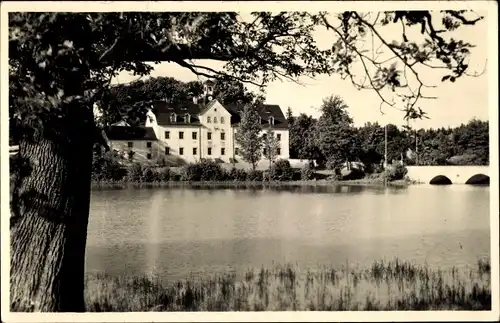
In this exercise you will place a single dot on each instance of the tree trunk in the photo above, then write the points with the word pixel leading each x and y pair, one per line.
pixel 49 220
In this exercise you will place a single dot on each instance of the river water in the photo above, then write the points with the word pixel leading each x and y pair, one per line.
pixel 175 232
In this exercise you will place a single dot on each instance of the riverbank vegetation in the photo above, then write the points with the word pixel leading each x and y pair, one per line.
pixel 385 285
pixel 108 171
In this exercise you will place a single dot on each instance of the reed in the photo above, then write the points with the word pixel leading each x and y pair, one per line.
pixel 385 285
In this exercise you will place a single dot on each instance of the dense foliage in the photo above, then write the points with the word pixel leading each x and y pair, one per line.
pixel 338 142
pixel 248 136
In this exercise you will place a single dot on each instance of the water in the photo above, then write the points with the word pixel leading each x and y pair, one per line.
pixel 177 232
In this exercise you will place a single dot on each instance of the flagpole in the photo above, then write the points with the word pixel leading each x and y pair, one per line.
pixel 385 149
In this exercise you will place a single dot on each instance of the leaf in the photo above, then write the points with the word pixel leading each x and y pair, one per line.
pixel 446 77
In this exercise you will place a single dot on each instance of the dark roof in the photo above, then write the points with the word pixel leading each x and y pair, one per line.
pixel 130 133
pixel 265 112
pixel 163 111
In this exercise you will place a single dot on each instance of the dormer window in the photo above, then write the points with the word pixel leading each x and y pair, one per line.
pixel 187 118
pixel 215 119
pixel 271 121
pixel 209 120
pixel 173 117
pixel 221 119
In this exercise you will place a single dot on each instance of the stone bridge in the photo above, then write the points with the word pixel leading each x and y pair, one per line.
pixel 449 174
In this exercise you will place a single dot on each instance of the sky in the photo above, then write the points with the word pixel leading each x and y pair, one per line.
pixel 456 103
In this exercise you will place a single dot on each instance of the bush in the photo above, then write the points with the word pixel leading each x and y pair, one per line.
pixel 395 172
pixel 150 174
pixel 255 175
pixel 106 167
pixel 205 170
pixel 281 170
pixel 306 173
pixel 135 172
pixel 165 174
pixel 238 175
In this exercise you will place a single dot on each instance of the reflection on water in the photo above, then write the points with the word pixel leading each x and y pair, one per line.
pixel 177 231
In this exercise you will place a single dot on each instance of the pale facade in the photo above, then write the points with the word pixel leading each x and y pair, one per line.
pixel 212 136
pixel 144 151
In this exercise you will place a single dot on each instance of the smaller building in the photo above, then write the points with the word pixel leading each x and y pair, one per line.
pixel 135 144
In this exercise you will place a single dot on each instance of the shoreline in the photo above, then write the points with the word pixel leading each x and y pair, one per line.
pixel 260 184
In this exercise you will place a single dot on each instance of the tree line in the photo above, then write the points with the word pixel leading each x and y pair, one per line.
pixel 332 139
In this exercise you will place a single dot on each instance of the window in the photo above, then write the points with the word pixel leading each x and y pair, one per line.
pixel 223 151
pixel 187 118
pixel 167 134
pixel 264 151
pixel 236 151
pixel 215 119
pixel 278 151
pixel 209 120
pixel 278 136
pixel 222 136
pixel 148 144
pixel 130 144
pixel 209 151
pixel 181 151
pixel 209 136
pixel 167 151
pixel 181 134
pixel 271 120
pixel 221 119
pixel 195 151
pixel 194 135
pixel 148 156
pixel 173 117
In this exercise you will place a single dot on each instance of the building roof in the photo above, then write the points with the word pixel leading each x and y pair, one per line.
pixel 163 111
pixel 131 133
pixel 265 112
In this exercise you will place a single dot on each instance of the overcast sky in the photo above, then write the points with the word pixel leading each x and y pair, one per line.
pixel 457 102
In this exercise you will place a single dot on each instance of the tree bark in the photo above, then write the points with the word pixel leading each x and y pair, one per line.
pixel 50 216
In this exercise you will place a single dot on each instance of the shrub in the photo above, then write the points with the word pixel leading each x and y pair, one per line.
pixel 135 172
pixel 149 174
pixel 107 167
pixel 164 174
pixel 306 172
pixel 205 170
pixel 238 175
pixel 255 175
pixel 395 172
pixel 281 170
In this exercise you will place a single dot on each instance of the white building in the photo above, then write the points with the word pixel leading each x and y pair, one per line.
pixel 193 131
pixel 138 144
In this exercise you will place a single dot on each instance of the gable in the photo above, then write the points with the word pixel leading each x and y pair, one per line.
pixel 214 107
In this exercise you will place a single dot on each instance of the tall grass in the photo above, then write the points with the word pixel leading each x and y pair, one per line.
pixel 393 285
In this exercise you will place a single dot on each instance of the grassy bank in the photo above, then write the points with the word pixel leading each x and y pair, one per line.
pixel 394 285
pixel 236 184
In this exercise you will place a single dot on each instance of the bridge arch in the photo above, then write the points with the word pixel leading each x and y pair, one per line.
pixel 478 179
pixel 440 180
